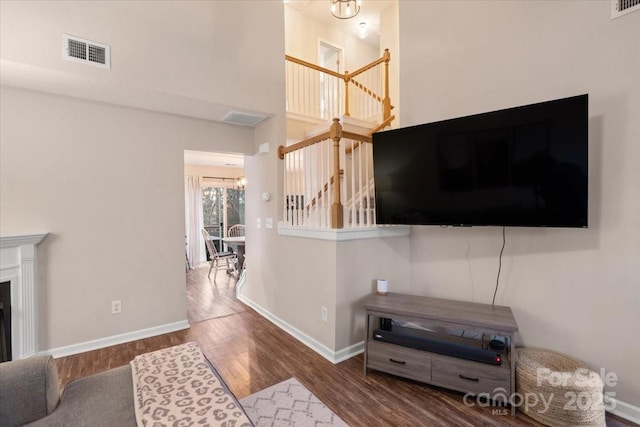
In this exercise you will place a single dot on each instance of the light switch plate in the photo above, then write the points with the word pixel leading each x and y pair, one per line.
pixel 259 223
pixel 268 222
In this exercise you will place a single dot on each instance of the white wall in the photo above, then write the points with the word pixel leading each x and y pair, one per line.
pixel 107 180
pixel 573 290
pixel 303 35
pixel 210 52
pixel 389 39
pixel 360 263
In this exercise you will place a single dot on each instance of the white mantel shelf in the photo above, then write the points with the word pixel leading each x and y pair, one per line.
pixel 26 239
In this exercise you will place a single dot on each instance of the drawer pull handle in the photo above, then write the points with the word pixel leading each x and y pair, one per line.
pixel 469 378
pixel 399 362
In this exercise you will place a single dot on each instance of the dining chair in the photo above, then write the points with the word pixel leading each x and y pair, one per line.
pixel 229 257
pixel 236 230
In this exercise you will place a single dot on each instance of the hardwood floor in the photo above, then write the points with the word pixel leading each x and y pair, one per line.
pixel 251 354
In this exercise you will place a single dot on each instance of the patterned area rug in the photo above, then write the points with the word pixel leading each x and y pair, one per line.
pixel 288 403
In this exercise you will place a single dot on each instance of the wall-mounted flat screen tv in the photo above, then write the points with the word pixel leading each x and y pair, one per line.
pixel 524 166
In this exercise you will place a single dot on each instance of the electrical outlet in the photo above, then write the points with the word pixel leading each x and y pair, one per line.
pixel 324 314
pixel 116 307
pixel 268 222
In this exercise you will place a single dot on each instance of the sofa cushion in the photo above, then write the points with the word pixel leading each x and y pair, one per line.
pixel 29 390
pixel 104 399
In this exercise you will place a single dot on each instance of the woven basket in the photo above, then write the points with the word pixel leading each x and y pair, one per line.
pixel 558 390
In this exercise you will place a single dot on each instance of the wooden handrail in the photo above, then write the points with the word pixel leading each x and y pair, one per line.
pixel 282 150
pixel 314 67
pixel 356 136
pixel 325 188
pixel 348 77
pixel 366 90
pixel 383 125
pixel 367 67
pixel 369 138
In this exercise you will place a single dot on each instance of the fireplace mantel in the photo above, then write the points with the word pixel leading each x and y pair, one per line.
pixel 18 266
pixel 26 239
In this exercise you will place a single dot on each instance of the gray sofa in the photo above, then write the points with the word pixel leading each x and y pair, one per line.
pixel 30 395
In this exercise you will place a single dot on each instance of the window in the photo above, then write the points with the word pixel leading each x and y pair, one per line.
pixel 221 208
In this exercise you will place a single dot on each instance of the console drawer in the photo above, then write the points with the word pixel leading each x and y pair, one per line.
pixel 470 376
pixel 397 360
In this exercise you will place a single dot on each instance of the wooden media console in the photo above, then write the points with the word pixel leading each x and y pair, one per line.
pixel 456 373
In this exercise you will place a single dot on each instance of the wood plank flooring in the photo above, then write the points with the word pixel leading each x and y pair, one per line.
pixel 251 354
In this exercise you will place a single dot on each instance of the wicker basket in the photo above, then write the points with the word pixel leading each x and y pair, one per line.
pixel 558 390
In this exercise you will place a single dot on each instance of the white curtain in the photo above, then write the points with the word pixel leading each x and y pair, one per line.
pixel 193 220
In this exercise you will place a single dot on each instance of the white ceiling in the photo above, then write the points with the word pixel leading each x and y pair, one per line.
pixel 201 158
pixel 369 13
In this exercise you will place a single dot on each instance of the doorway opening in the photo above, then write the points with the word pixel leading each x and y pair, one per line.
pixel 214 201
pixel 331 57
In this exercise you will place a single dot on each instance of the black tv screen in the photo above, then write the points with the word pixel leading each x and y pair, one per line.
pixel 523 166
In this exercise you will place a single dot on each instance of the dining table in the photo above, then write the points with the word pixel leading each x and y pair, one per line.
pixel 238 244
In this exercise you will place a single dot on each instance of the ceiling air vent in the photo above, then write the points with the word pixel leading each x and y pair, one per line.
pixel 622 7
pixel 245 119
pixel 86 51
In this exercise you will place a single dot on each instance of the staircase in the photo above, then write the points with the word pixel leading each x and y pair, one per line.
pixel 328 176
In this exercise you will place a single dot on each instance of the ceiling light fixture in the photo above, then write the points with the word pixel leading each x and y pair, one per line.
pixel 241 182
pixel 363 30
pixel 345 9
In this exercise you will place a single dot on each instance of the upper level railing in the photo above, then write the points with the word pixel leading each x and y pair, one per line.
pixel 328 180
pixel 318 92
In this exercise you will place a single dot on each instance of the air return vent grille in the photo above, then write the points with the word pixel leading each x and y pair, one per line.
pixel 86 51
pixel 245 119
pixel 622 7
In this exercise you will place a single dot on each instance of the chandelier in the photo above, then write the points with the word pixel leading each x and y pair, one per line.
pixel 345 9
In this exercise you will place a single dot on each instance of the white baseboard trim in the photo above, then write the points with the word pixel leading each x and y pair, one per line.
pixel 623 410
pixel 324 351
pixel 115 339
pixel 349 352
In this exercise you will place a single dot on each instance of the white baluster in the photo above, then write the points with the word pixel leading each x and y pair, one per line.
pixel 367 194
pixel 308 186
pixel 343 182
pixel 352 167
pixel 328 144
pixel 287 180
pixel 299 190
pixel 360 185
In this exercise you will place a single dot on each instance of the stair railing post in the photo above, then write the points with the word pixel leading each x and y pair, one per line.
pixel 337 216
pixel 346 95
pixel 386 102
